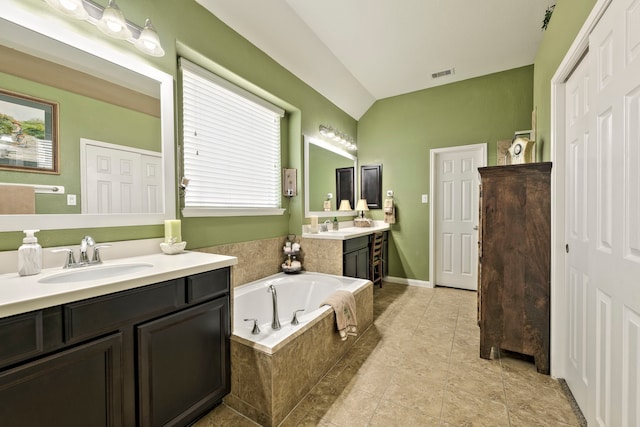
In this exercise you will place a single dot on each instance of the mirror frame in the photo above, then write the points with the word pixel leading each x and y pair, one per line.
pixel 57 38
pixel 310 140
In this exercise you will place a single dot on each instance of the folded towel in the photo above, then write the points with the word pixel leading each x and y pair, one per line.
pixel 390 217
pixel 344 305
pixel 17 199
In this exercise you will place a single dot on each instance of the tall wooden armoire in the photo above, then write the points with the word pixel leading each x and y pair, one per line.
pixel 515 255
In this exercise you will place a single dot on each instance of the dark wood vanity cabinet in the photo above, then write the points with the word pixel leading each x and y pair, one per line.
pixel 514 260
pixel 154 355
pixel 355 261
pixel 80 386
pixel 355 256
pixel 182 364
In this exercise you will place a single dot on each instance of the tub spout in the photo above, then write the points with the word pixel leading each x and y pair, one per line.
pixel 275 323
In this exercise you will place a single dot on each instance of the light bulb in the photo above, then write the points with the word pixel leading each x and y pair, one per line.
pixel 149 42
pixel 113 23
pixel 72 8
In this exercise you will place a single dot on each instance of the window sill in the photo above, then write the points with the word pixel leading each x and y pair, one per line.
pixel 210 212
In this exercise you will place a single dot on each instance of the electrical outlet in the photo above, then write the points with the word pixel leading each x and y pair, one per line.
pixel 425 198
pixel 71 199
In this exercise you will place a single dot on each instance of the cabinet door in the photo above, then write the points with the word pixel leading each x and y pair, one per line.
pixel 81 386
pixel 350 264
pixel 183 364
pixel 363 264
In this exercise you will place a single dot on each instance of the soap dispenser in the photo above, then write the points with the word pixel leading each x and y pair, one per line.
pixel 336 225
pixel 29 254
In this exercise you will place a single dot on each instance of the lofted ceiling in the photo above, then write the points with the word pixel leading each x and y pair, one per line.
pixel 355 52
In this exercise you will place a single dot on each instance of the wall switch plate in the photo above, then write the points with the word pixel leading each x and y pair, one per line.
pixel 71 199
pixel 425 198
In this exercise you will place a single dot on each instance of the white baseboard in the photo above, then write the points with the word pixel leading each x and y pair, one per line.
pixel 409 282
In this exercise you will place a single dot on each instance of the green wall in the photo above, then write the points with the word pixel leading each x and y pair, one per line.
pixel 187 28
pixel 566 21
pixel 398 132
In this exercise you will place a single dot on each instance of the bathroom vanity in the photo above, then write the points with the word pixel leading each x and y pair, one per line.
pixel 355 247
pixel 143 349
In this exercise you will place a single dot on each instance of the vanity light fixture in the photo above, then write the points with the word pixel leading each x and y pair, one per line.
pixel 72 8
pixel 334 135
pixel 148 42
pixel 111 21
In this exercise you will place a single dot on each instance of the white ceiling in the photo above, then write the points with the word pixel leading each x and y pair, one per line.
pixel 355 52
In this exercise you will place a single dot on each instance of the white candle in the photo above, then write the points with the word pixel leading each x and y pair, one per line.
pixel 172 231
pixel 314 221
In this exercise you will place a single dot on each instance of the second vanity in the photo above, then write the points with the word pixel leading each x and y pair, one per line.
pixel 355 246
pixel 146 347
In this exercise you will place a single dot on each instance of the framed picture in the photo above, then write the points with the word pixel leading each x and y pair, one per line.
pixel 28 133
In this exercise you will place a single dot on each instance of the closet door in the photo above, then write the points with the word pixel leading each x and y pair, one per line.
pixel 580 193
pixel 603 226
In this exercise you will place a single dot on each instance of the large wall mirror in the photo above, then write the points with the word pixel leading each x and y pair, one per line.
pixel 143 124
pixel 326 169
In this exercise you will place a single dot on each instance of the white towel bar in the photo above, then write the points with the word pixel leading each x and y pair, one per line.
pixel 41 189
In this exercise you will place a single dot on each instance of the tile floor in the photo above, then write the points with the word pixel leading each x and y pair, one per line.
pixel 418 365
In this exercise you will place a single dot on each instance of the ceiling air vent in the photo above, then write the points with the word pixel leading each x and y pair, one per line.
pixel 443 73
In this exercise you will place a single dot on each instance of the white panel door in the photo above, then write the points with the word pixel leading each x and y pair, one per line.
pixel 456 216
pixel 113 181
pixel 609 269
pixel 152 194
pixel 579 181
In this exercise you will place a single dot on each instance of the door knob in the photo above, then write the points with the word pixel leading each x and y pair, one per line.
pixel 475 228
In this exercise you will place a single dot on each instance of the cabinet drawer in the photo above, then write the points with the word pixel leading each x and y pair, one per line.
pixel 103 314
pixel 356 243
pixel 29 334
pixel 207 285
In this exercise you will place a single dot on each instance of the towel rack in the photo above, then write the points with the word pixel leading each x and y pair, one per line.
pixel 40 189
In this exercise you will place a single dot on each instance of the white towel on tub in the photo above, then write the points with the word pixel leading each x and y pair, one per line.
pixel 344 305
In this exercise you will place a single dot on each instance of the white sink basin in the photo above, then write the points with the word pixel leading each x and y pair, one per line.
pixel 81 274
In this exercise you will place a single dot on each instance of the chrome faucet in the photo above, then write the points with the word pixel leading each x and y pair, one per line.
pixel 275 323
pixel 325 225
pixel 86 243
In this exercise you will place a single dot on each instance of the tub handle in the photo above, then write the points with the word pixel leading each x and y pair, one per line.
pixel 295 321
pixel 255 330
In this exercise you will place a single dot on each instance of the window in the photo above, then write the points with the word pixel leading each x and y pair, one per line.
pixel 231 147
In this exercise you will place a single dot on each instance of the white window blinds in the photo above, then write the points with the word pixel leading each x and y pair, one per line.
pixel 231 146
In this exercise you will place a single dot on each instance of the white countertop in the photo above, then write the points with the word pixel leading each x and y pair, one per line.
pixel 20 294
pixel 346 232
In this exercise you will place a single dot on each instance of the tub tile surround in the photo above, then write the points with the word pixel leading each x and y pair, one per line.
pixel 322 256
pixel 256 258
pixel 266 387
pixel 262 258
pixel 419 365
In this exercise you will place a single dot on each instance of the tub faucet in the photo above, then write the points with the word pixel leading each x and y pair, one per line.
pixel 256 329
pixel 275 323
